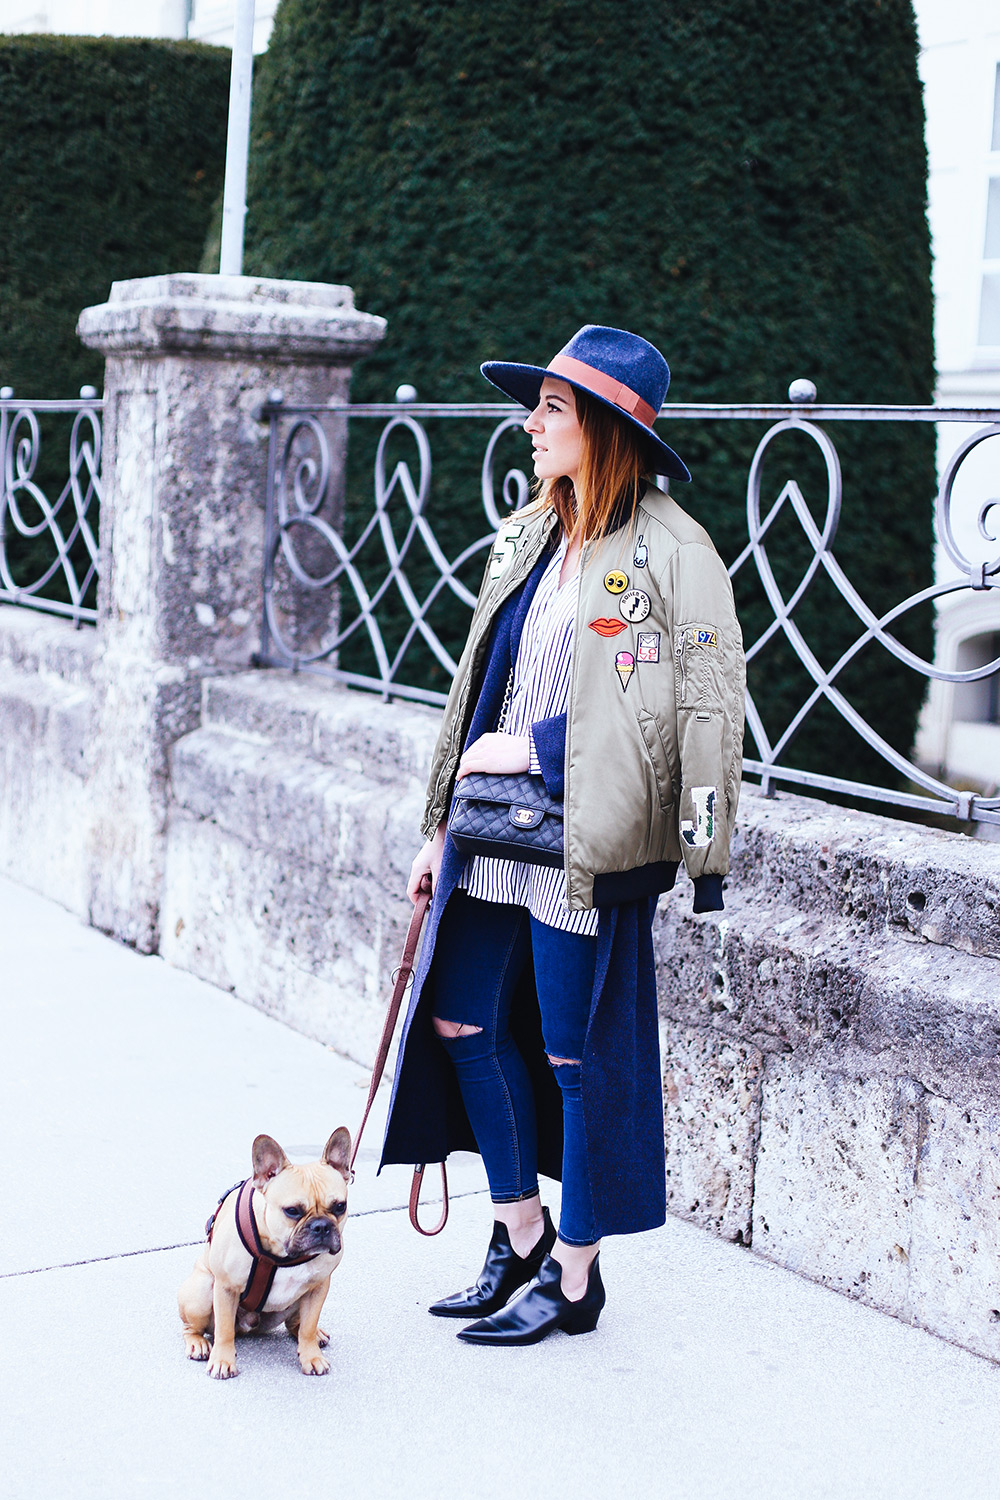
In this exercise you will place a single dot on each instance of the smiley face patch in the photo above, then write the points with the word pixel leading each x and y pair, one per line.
pixel 616 582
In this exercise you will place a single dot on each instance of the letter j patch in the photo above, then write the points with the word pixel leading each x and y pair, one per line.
pixel 699 833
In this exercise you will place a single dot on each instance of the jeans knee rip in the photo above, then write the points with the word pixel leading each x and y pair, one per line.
pixel 465 1028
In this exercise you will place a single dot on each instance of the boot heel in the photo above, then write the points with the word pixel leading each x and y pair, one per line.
pixel 583 1322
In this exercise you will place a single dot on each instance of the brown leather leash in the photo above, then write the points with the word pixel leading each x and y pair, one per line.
pixel 385 1042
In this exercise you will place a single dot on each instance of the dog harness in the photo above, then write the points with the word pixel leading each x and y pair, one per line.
pixel 262 1265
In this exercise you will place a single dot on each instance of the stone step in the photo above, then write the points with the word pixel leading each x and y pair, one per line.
pixel 286 880
pixel 268 795
pixel 784 980
pixel 47 742
pixel 353 731
pixel 47 645
pixel 879 876
pixel 47 715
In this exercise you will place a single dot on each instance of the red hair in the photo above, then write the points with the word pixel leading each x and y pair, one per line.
pixel 613 462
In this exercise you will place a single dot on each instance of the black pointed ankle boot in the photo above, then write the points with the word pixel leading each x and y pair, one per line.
pixel 502 1274
pixel 542 1309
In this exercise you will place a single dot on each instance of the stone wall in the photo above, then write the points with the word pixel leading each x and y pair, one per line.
pixel 294 815
pixel 830 1041
pixel 47 751
pixel 830 1060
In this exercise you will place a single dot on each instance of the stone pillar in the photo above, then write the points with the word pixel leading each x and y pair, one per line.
pixel 188 359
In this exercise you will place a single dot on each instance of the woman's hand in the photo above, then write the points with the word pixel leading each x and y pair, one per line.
pixel 495 754
pixel 427 862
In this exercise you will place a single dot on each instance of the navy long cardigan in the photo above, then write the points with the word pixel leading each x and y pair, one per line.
pixel 623 1107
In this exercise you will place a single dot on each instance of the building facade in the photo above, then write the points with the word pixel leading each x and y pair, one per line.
pixel 960 68
pixel 197 20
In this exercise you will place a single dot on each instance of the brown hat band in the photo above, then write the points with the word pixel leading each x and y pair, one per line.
pixel 603 385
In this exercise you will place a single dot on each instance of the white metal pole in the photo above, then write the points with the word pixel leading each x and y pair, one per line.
pixel 234 201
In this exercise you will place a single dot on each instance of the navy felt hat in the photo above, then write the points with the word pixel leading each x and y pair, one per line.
pixel 617 368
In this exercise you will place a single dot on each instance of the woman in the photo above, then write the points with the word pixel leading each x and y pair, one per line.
pixel 605 658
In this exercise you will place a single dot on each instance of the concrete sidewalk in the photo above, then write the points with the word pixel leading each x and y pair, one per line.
pixel 131 1094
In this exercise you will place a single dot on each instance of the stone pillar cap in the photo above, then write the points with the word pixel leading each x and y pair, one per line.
pixel 293 322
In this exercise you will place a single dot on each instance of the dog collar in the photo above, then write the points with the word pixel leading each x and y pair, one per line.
pixel 263 1265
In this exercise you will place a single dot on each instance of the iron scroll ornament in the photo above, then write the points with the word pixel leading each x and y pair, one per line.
pixel 290 506
pixel 977 575
pixel 65 522
pixel 300 488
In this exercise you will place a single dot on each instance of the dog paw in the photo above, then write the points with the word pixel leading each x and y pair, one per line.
pixel 314 1364
pixel 196 1346
pixel 221 1367
pixel 322 1338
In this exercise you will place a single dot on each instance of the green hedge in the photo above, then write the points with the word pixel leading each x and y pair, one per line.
pixel 111 157
pixel 744 185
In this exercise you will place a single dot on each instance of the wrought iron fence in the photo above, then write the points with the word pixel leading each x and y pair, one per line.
pixel 373 579
pixel 48 506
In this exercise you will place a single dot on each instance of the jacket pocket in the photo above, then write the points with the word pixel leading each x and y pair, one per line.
pixel 657 752
pixel 698 666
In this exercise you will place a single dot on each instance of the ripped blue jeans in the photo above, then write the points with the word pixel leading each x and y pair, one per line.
pixel 482 949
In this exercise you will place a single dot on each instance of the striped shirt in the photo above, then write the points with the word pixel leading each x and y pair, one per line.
pixel 540 690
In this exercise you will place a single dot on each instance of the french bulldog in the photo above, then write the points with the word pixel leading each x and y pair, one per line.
pixel 298 1211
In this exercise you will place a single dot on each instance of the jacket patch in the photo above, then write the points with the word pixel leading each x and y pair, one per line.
pixel 699 834
pixel 624 666
pixel 648 646
pixel 641 555
pixel 634 606
pixel 606 626
pixel 704 638
pixel 616 582
pixel 504 549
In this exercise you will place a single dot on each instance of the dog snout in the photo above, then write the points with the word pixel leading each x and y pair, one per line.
pixel 324 1234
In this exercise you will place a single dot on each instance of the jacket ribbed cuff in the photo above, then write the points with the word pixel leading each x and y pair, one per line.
pixel 708 893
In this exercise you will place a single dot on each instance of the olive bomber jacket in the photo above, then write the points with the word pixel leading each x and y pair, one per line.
pixel 654 723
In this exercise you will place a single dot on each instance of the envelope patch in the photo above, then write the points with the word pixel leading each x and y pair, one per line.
pixel 648 646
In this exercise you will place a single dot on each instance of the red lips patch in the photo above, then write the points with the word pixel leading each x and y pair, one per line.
pixel 606 626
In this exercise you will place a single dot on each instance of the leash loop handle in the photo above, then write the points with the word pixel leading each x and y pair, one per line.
pixel 418 1177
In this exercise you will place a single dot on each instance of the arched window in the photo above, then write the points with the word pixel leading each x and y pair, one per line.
pixel 978 702
pixel 989 307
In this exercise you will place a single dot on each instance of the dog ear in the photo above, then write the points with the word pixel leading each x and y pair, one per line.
pixel 337 1151
pixel 268 1160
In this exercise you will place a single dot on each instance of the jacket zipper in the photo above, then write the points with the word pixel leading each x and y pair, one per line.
pixel 457 723
pixel 585 552
pixel 680 651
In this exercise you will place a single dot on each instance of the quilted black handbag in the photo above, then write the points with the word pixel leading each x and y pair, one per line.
pixel 508 817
